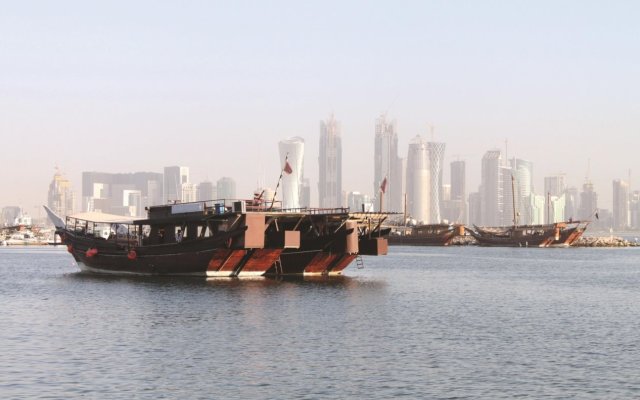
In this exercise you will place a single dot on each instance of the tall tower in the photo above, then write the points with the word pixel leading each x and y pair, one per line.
pixel 174 178
pixel 554 185
pixel 572 203
pixel 436 158
pixel 292 182
pixel 556 200
pixel 206 191
pixel 588 201
pixel 387 165
pixel 491 195
pixel 418 180
pixel 60 196
pixel 459 189
pixel 621 218
pixel 226 188
pixel 522 171
pixel 330 164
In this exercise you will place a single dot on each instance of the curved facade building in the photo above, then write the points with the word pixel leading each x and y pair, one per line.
pixel 418 180
pixel 522 171
pixel 290 185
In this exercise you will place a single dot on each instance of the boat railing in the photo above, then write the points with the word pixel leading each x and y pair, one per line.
pixel 118 232
pixel 315 210
pixel 221 206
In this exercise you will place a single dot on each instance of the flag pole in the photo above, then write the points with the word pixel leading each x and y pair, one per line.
pixel 382 191
pixel 275 192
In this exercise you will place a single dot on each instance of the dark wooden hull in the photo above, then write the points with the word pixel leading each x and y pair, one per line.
pixel 209 257
pixel 188 239
pixel 426 240
pixel 427 235
pixel 323 255
pixel 106 256
pixel 550 235
pixel 569 235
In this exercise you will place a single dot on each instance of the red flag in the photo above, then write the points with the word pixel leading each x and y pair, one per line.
pixel 287 167
pixel 383 185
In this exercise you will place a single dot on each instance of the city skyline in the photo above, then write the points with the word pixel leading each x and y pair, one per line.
pixel 506 184
pixel 190 191
pixel 86 89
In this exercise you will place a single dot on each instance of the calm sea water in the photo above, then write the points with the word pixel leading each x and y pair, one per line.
pixel 421 323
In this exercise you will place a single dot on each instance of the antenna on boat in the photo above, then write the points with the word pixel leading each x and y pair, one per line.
pixel 405 208
pixel 513 199
pixel 548 207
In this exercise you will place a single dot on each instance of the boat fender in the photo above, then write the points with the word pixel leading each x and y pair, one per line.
pixel 132 255
pixel 91 252
pixel 70 248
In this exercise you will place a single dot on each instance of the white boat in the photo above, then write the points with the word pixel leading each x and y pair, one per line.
pixel 23 238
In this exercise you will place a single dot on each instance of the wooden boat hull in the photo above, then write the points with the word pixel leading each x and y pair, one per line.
pixel 100 255
pixel 193 239
pixel 551 235
pixel 428 235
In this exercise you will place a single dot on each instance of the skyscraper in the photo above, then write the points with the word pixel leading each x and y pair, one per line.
pixel 60 197
pixel 491 189
pixel 9 215
pixel 305 193
pixel 418 181
pixel 634 210
pixel 293 148
pixel 554 185
pixel 522 171
pixel 188 192
pixel 459 190
pixel 330 164
pixel 507 217
pixel 174 178
pixel 475 208
pixel 621 218
pixel 206 191
pixel 556 200
pixel 458 180
pixel 387 165
pixel 572 203
pixel 436 158
pixel 121 193
pixel 588 202
pixel 226 188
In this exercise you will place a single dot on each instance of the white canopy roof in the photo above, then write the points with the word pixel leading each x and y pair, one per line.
pixel 102 217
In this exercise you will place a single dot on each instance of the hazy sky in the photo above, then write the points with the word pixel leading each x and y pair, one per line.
pixel 128 86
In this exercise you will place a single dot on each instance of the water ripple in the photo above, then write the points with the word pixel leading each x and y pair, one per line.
pixel 455 323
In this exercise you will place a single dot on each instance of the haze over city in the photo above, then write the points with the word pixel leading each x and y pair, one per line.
pixel 123 87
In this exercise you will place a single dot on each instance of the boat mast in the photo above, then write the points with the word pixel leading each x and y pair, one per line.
pixel 513 199
pixel 548 207
pixel 405 208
